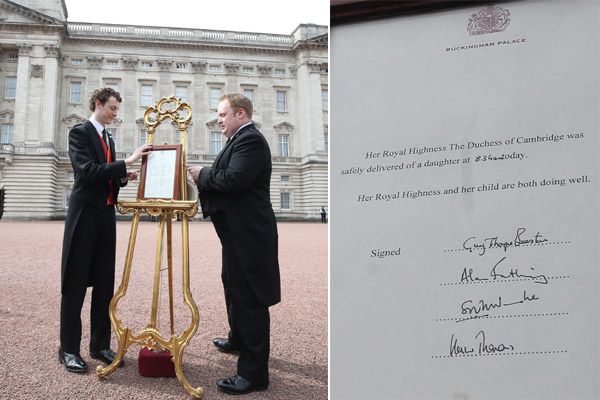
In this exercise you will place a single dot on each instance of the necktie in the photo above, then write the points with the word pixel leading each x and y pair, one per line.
pixel 105 138
pixel 107 153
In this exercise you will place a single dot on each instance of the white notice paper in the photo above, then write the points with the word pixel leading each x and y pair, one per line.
pixel 160 174
pixel 464 204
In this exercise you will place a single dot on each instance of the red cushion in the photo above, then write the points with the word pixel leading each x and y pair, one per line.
pixel 155 363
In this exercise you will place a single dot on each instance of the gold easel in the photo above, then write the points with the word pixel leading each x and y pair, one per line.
pixel 180 114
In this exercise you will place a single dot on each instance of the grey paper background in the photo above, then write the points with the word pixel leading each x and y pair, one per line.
pixel 395 86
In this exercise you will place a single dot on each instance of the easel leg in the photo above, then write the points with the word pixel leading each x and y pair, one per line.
pixel 155 291
pixel 122 333
pixel 170 273
pixel 177 351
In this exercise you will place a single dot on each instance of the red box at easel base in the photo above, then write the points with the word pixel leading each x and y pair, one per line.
pixel 155 363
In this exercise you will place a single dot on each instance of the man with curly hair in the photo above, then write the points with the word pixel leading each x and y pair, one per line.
pixel 88 254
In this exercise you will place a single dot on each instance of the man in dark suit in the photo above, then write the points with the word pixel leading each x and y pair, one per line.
pixel 234 192
pixel 88 254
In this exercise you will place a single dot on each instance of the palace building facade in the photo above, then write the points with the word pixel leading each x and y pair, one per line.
pixel 49 67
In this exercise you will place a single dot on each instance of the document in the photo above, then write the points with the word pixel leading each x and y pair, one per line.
pixel 160 174
pixel 464 204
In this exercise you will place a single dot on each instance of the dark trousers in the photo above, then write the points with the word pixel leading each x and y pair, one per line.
pixel 91 263
pixel 249 321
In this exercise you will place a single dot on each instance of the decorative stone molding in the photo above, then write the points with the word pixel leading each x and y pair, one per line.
pixel 52 50
pixel 73 119
pixel 258 125
pixel 24 49
pixel 94 61
pixel 212 123
pixel 7 116
pixel 164 64
pixel 293 69
pixel 265 69
pixel 117 121
pixel 37 71
pixel 199 66
pixel 284 127
pixel 232 68
pixel 129 62
pixel 321 68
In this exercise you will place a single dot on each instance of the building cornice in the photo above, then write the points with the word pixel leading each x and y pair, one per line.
pixel 29 13
pixel 199 39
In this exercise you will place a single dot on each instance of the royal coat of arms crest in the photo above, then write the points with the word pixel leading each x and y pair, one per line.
pixel 488 20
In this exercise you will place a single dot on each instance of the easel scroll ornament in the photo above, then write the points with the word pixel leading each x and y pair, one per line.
pixel 180 114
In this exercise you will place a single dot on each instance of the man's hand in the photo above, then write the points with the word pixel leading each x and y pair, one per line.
pixel 195 173
pixel 132 176
pixel 137 154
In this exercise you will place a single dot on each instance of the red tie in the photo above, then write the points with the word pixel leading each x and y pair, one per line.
pixel 109 201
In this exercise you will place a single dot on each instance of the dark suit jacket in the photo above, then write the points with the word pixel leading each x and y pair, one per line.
pixel 236 191
pixel 90 188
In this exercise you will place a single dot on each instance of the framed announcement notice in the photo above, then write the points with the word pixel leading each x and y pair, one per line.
pixel 161 173
pixel 464 246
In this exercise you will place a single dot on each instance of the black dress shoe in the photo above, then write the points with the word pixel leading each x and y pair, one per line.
pixel 72 362
pixel 240 385
pixel 106 356
pixel 226 346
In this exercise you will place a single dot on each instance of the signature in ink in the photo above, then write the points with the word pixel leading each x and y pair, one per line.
pixel 467 275
pixel 473 245
pixel 514 273
pixel 481 346
pixel 474 310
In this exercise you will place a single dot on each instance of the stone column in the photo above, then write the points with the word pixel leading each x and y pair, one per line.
pixel 20 121
pixel 50 105
pixel 310 117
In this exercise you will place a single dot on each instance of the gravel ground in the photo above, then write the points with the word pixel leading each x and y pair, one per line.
pixel 30 308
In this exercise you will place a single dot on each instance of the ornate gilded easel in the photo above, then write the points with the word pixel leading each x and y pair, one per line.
pixel 180 114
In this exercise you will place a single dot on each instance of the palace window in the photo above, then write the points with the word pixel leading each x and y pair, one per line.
pixel 282 105
pixel 146 95
pixel 284 145
pixel 325 99
pixel 181 92
pixel 214 94
pixel 249 93
pixel 284 198
pixel 10 87
pixel 75 93
pixel 6 133
pixel 216 142
pixel 143 137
